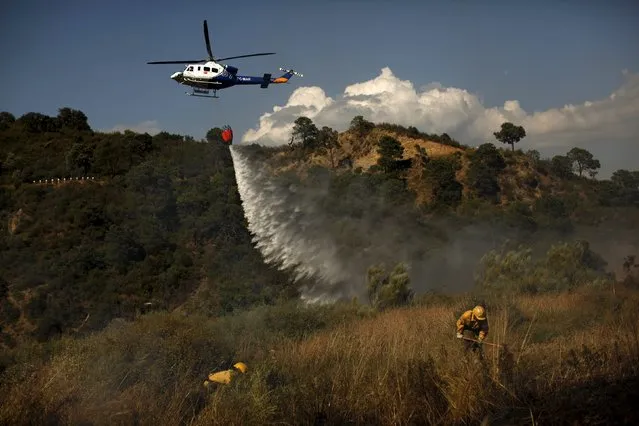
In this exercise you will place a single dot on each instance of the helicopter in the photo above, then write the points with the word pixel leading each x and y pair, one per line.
pixel 205 75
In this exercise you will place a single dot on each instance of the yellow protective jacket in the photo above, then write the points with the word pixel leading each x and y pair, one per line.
pixel 467 321
pixel 223 377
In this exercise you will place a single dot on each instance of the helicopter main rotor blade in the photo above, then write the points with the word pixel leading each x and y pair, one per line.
pixel 244 56
pixel 208 42
pixel 194 61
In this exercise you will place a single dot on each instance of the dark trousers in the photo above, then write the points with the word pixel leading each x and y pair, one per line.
pixel 473 347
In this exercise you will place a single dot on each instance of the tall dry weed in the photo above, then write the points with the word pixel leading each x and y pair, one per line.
pixel 572 357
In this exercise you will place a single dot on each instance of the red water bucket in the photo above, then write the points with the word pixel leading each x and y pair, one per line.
pixel 227 135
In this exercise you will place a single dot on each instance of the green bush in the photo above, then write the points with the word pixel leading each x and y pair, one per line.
pixel 389 289
pixel 565 266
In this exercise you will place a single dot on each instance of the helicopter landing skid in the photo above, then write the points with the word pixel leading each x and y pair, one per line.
pixel 203 94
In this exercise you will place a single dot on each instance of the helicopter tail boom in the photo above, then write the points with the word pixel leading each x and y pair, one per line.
pixel 284 78
pixel 267 81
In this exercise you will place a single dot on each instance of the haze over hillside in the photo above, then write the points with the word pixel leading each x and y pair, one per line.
pixel 325 208
pixel 336 238
pixel 177 257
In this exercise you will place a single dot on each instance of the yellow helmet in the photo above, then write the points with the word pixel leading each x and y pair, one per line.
pixel 479 312
pixel 241 366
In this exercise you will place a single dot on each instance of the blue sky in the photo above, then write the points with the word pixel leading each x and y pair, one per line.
pixel 92 55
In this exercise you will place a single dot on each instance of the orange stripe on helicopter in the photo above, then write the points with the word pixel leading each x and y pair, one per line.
pixel 280 80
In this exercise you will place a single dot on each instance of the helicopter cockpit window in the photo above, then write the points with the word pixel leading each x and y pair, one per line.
pixel 190 68
pixel 214 69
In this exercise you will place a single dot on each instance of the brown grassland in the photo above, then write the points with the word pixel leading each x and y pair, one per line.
pixel 568 358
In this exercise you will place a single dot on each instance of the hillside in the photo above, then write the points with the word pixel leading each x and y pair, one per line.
pixel 445 176
pixel 129 267
pixel 156 224
pixel 159 218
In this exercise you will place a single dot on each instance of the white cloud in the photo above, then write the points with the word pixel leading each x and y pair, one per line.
pixel 152 127
pixel 437 109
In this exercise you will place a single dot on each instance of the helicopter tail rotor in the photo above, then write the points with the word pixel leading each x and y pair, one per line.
pixel 291 72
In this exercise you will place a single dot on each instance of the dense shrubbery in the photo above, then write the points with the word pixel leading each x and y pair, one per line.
pixel 161 216
pixel 413 132
pixel 388 289
pixel 566 266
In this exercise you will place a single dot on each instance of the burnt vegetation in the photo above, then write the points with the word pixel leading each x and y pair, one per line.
pixel 126 268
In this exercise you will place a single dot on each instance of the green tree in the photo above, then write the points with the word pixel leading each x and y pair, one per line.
pixel 111 155
pixel 488 155
pixel 305 133
pixel 328 141
pixel 552 212
pixel 534 156
pixel 447 140
pixel 510 134
pixel 360 126
pixel 626 179
pixel 6 120
pixel 565 266
pixel 561 166
pixel 440 173
pixel 390 151
pixel 413 131
pixel 486 164
pixel 389 289
pixel 583 161
pixel 626 186
pixel 80 155
pixel 34 122
pixel 73 119
pixel 214 135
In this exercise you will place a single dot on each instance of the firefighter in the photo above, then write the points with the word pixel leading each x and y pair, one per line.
pixel 474 322
pixel 226 376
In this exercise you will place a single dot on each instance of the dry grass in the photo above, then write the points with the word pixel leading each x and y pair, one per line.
pixel 363 154
pixel 400 367
pixel 362 151
pixel 433 149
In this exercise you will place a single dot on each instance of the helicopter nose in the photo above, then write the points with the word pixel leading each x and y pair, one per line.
pixel 176 76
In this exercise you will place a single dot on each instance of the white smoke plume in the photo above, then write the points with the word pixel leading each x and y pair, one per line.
pixel 282 226
pixel 330 243
pixel 330 237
